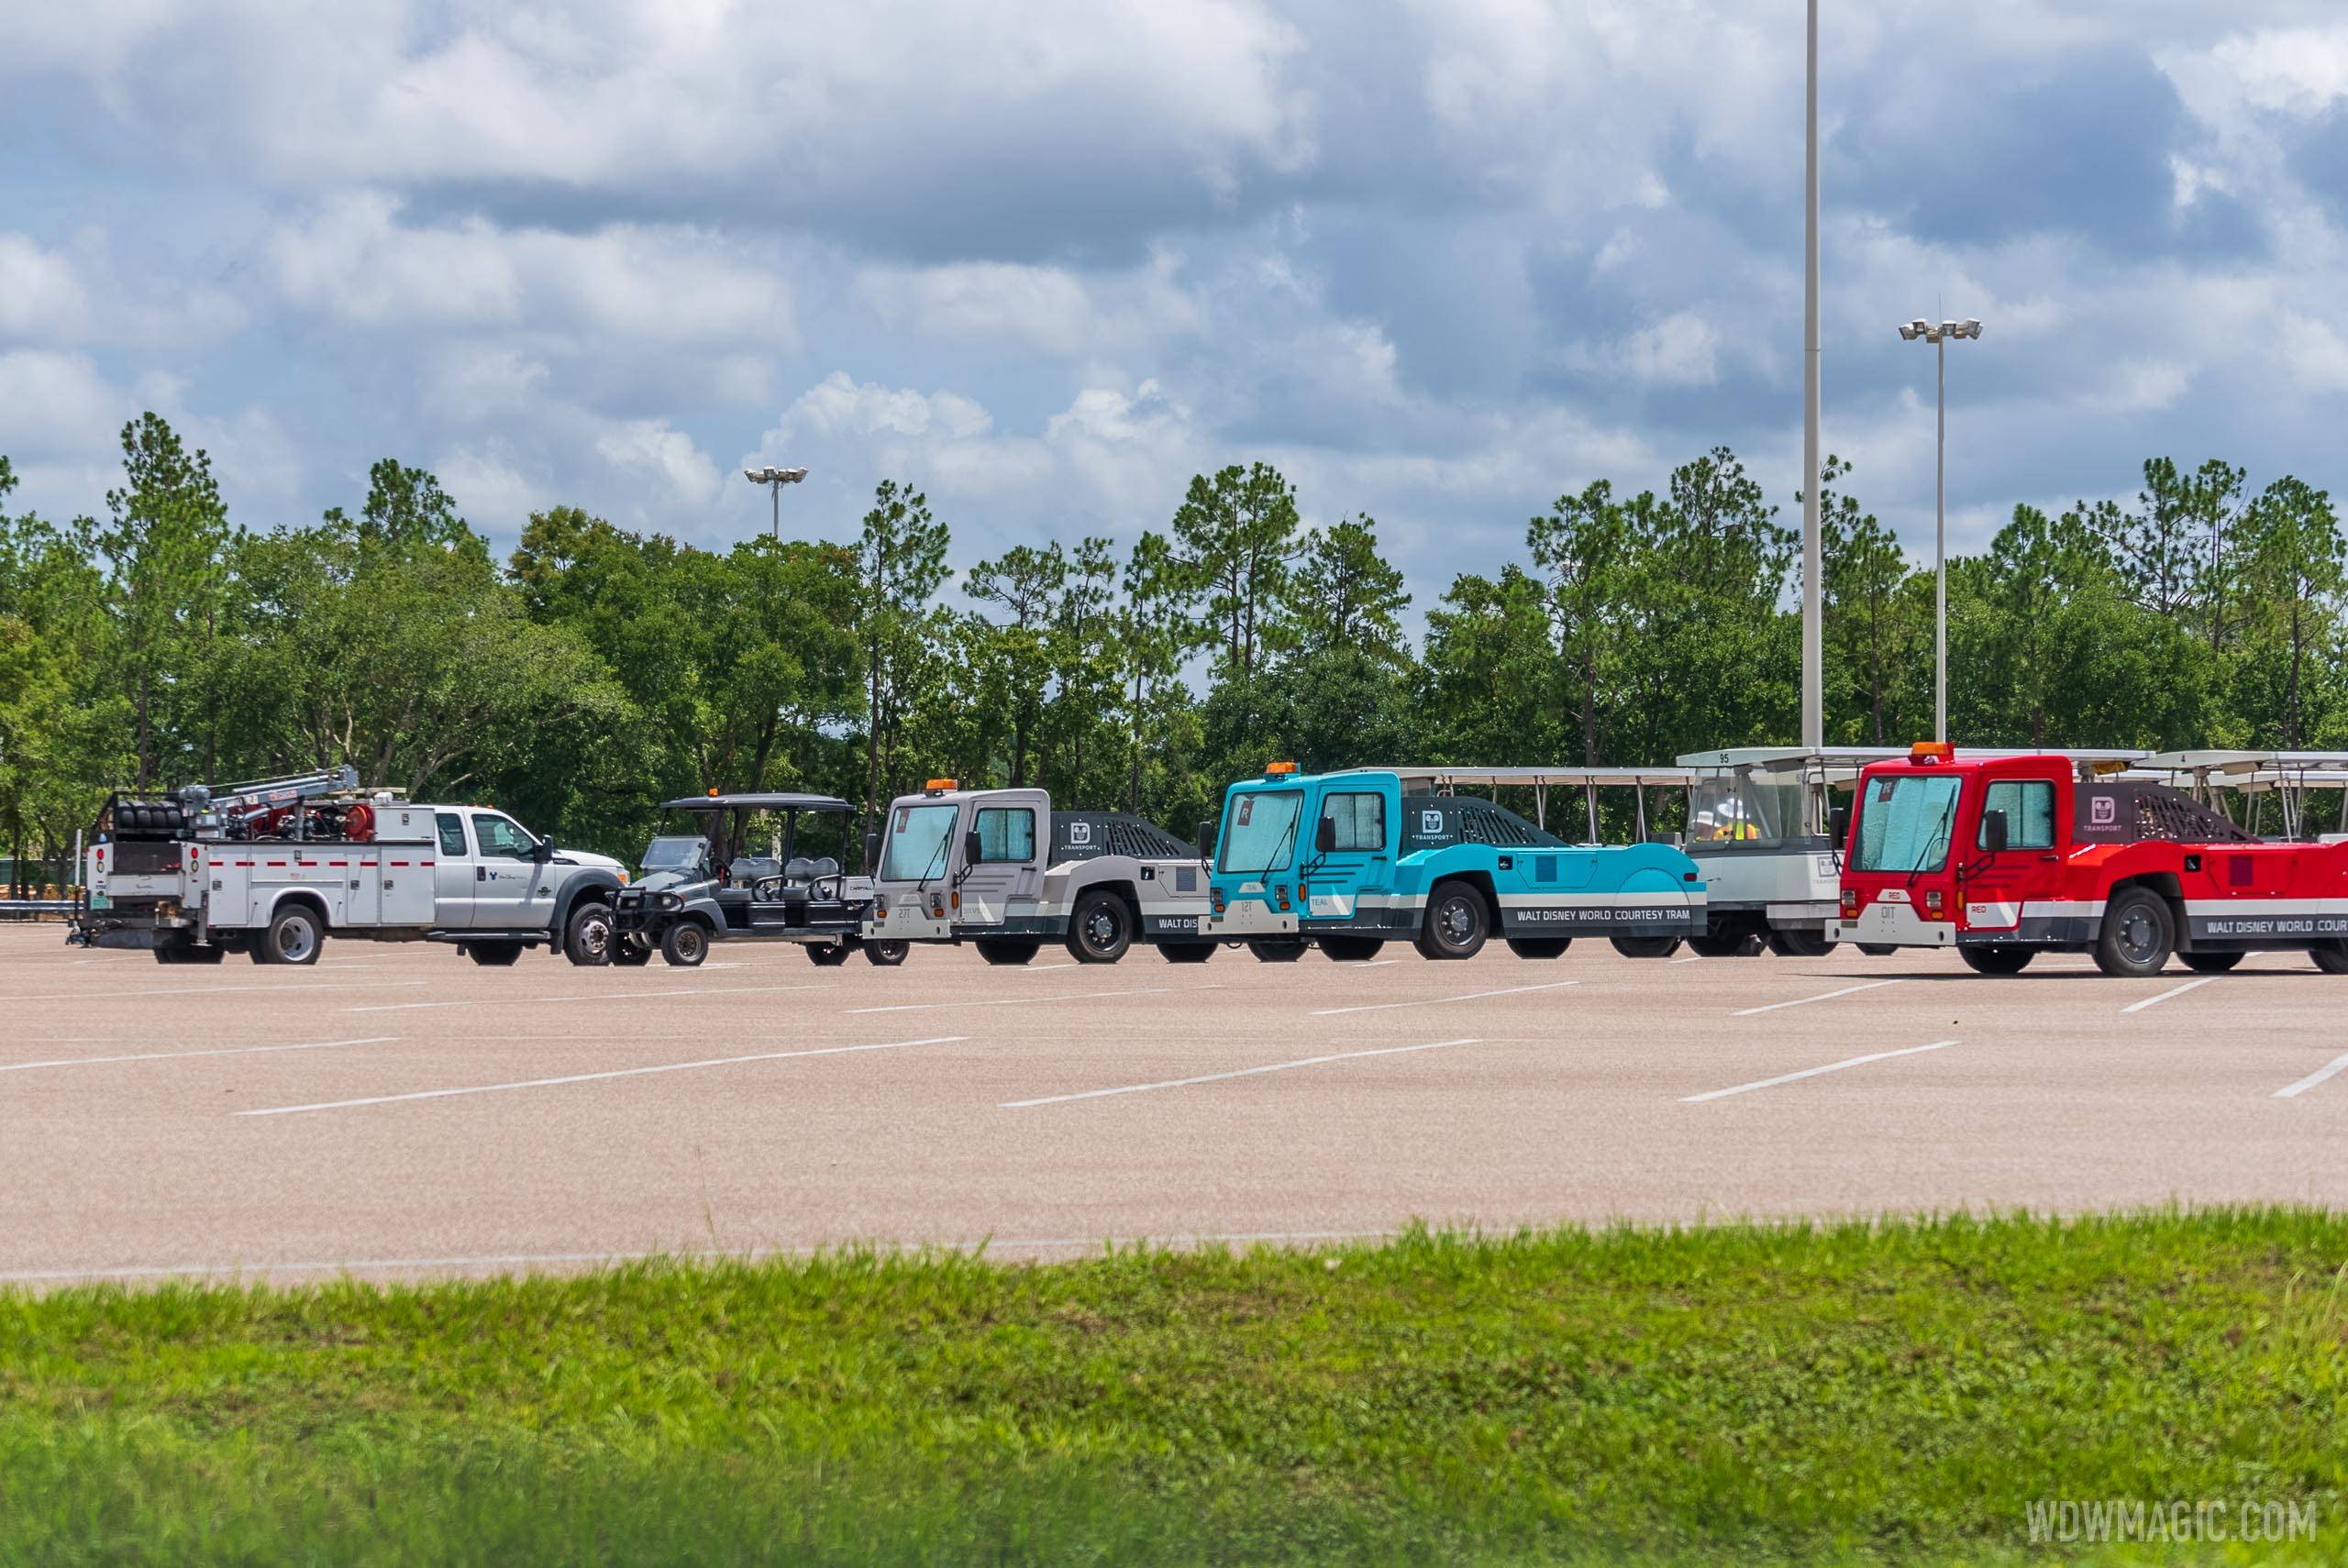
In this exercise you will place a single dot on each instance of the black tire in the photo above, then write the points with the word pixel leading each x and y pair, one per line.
pixel 1101 928
pixel 1799 944
pixel 588 936
pixel 294 936
pixel 1878 949
pixel 827 955
pixel 1457 922
pixel 494 955
pixel 1186 951
pixel 1276 949
pixel 1008 952
pixel 1646 946
pixel 630 952
pixel 885 955
pixel 1997 960
pixel 2212 962
pixel 2332 957
pixel 1348 949
pixel 2138 935
pixel 1539 946
pixel 686 943
pixel 187 952
pixel 1740 946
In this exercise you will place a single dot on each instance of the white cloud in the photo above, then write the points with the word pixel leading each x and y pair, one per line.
pixel 650 447
pixel 1051 310
pixel 54 404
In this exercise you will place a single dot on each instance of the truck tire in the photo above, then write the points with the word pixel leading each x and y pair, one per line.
pixel 1008 952
pixel 2332 957
pixel 630 952
pixel 1276 949
pixel 885 955
pixel 185 951
pixel 1101 928
pixel 294 936
pixel 827 955
pixel 1878 949
pixel 1997 960
pixel 1186 951
pixel 686 943
pixel 1347 949
pixel 2138 935
pixel 494 955
pixel 1791 944
pixel 1739 946
pixel 1539 946
pixel 1457 922
pixel 1646 946
pixel 2212 962
pixel 587 937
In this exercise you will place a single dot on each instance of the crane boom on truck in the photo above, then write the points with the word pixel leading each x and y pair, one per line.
pixel 2003 856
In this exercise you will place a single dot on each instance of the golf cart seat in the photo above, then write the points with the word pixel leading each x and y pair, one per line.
pixel 826 867
pixel 748 870
pixel 800 871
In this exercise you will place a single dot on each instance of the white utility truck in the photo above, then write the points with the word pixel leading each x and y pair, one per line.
pixel 273 868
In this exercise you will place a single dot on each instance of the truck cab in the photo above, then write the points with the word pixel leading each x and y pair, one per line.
pixel 1350 860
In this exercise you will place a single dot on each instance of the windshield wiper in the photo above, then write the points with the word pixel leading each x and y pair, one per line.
pixel 1940 837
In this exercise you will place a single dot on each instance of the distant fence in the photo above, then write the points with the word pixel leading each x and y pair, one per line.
pixel 36 890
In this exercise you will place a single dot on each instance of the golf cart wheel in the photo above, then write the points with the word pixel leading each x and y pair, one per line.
pixel 827 955
pixel 1186 951
pixel 2138 935
pixel 494 955
pixel 1457 922
pixel 1799 944
pixel 1997 960
pixel 886 955
pixel 587 938
pixel 1100 928
pixel 1646 946
pixel 629 952
pixel 1539 946
pixel 2212 962
pixel 2332 957
pixel 1008 951
pixel 294 936
pixel 1738 946
pixel 1276 949
pixel 1352 949
pixel 684 944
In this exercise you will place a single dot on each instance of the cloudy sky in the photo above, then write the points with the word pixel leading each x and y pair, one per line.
pixel 1439 261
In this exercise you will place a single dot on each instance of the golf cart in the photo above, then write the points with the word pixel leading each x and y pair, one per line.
pixel 760 866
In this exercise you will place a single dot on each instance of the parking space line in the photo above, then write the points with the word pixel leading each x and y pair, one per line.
pixel 1022 1001
pixel 596 1077
pixel 1433 1001
pixel 594 996
pixel 1805 1001
pixel 1237 1073
pixel 2172 991
pixel 133 994
pixel 176 1055
pixel 1692 958
pixel 2316 1079
pixel 1812 1072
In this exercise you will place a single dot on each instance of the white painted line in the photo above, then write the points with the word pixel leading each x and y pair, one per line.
pixel 593 996
pixel 133 994
pixel 177 1055
pixel 1692 958
pixel 1046 968
pixel 2172 991
pixel 1022 1001
pixel 1805 1001
pixel 2316 1079
pixel 1432 1001
pixel 597 1078
pixel 1241 1073
pixel 1812 1072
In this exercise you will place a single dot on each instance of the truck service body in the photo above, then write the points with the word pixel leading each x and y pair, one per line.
pixel 273 868
pixel 1350 860
pixel 1005 871
pixel 2004 856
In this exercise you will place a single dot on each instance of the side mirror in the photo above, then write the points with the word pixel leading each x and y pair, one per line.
pixel 970 852
pixel 1324 835
pixel 1838 825
pixel 871 853
pixel 542 851
pixel 1206 838
pixel 1993 830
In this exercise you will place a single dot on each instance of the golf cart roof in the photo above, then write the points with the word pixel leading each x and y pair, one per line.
pixel 756 803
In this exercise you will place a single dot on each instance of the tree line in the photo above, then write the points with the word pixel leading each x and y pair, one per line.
pixel 597 670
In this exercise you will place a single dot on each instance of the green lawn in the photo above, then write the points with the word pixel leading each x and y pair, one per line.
pixel 1897 1392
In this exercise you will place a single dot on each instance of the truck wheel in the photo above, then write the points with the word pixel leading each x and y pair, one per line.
pixel 2332 957
pixel 1352 949
pixel 827 955
pixel 1008 951
pixel 1791 944
pixel 187 952
pixel 886 955
pixel 1539 946
pixel 1100 928
pixel 1646 946
pixel 587 939
pixel 1878 949
pixel 494 955
pixel 1709 946
pixel 685 943
pixel 1997 960
pixel 1457 922
pixel 2212 962
pixel 630 952
pixel 1186 951
pixel 293 937
pixel 2138 935
pixel 1276 949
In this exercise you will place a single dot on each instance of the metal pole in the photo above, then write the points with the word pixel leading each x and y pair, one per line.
pixel 1813 717
pixel 1940 557
pixel 777 488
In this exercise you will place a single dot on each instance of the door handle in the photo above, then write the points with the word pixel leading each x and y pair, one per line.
pixel 481 873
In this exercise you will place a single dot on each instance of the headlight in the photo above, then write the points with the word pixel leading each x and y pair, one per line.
pixel 671 902
pixel 623 876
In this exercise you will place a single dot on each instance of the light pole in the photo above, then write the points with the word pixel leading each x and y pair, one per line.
pixel 1813 660
pixel 1939 338
pixel 774 479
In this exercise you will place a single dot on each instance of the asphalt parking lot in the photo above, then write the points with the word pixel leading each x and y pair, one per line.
pixel 396 1111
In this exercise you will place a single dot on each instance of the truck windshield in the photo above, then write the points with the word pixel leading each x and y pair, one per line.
pixel 1904 822
pixel 917 837
pixel 1261 834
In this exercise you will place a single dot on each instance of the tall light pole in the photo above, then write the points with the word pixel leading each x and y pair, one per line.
pixel 774 479
pixel 1939 338
pixel 1813 664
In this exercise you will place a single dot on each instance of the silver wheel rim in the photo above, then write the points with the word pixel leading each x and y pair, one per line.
pixel 297 939
pixel 1454 922
pixel 689 943
pixel 1101 929
pixel 595 936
